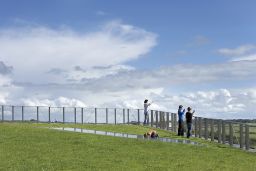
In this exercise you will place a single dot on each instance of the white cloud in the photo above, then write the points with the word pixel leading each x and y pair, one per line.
pixel 60 101
pixel 79 74
pixel 39 48
pixel 3 97
pixel 121 77
pixel 5 80
pixel 246 58
pixel 121 86
pixel 219 103
pixel 239 51
pixel 67 68
pixel 182 75
pixel 6 85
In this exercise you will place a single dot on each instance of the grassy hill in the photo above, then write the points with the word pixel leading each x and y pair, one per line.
pixel 27 146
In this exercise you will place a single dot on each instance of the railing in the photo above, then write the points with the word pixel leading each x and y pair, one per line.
pixel 82 115
pixel 233 133
pixel 242 135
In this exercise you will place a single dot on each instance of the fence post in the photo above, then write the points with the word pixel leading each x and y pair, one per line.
pixel 82 115
pixel 12 113
pixel 49 113
pixel 152 118
pixel 230 134
pixel 167 121
pixel 95 112
pixel 164 120
pixel 212 130
pixel 200 127
pixel 22 113
pixel 156 119
pixel 148 118
pixel 223 133
pixel 241 136
pixel 219 131
pixel 247 144
pixel 115 116
pixel 75 114
pixel 37 114
pixel 123 116
pixel 175 122
pixel 2 113
pixel 128 116
pixel 195 127
pixel 63 114
pixel 106 115
pixel 172 116
pixel 206 128
pixel 138 116
pixel 160 119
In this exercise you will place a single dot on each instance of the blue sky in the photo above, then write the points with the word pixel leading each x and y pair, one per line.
pixel 177 23
pixel 166 48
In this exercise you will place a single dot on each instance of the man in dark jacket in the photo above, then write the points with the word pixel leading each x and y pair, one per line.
pixel 189 116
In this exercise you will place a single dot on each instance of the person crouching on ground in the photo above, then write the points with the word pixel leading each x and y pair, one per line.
pixel 181 113
pixel 151 134
pixel 189 116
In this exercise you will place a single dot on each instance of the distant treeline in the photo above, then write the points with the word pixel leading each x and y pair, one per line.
pixel 242 120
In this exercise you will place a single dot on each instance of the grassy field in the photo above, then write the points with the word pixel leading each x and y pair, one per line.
pixel 27 146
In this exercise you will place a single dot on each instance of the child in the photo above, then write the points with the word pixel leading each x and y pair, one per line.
pixel 151 134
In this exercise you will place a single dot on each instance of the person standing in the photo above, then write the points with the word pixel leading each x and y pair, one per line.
pixel 189 116
pixel 181 112
pixel 146 105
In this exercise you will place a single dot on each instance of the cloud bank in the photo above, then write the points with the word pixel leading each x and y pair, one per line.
pixel 39 48
pixel 124 86
pixel 63 67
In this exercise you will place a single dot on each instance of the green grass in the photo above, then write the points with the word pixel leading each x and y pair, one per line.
pixel 27 146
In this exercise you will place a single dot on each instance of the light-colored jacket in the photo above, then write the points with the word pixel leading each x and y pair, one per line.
pixel 146 105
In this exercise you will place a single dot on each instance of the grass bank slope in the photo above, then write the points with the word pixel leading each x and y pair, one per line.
pixel 26 146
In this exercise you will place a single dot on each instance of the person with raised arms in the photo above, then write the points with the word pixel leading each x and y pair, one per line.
pixel 189 115
pixel 146 105
pixel 181 113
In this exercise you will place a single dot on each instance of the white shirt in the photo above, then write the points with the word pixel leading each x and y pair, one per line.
pixel 146 105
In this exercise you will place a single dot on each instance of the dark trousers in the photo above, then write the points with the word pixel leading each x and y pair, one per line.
pixel 146 119
pixel 189 126
pixel 181 128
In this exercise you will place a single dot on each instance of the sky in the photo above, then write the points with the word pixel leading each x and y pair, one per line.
pixel 114 53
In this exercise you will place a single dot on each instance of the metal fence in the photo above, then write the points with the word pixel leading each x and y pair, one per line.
pixel 226 132
pixel 235 134
pixel 46 114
